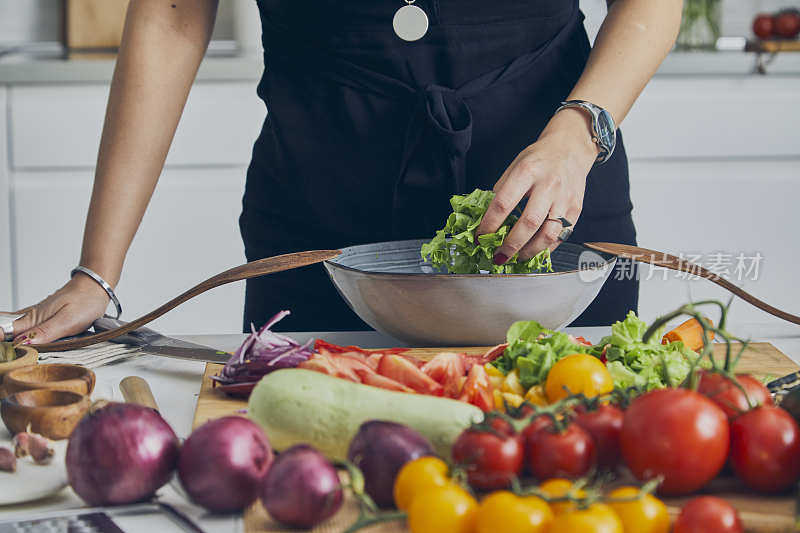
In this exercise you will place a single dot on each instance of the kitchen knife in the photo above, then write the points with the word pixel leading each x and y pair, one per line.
pixel 153 342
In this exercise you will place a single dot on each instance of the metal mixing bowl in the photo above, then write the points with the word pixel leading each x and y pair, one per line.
pixel 389 286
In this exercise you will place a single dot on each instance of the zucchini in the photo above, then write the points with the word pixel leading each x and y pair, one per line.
pixel 303 406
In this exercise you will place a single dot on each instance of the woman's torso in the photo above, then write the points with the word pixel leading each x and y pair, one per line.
pixel 343 92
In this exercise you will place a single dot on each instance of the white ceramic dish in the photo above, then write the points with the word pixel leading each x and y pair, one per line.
pixel 31 481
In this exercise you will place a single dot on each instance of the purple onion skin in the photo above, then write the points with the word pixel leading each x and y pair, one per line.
pixel 223 463
pixel 122 453
pixel 380 449
pixel 302 488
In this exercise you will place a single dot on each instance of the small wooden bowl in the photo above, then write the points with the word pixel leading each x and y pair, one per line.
pixel 26 356
pixel 73 378
pixel 51 413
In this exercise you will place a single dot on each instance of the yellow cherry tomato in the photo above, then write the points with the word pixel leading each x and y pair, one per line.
pixel 511 384
pixel 577 373
pixel 416 476
pixel 647 514
pixel 509 513
pixel 439 509
pixel 597 518
pixel 536 396
pixel 492 371
pixel 503 399
pixel 558 487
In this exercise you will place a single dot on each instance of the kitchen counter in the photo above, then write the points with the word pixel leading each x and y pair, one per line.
pixel 24 70
pixel 174 382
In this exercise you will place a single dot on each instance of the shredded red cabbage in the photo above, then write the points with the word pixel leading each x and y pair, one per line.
pixel 262 352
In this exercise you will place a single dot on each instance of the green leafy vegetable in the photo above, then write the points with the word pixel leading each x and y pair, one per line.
pixel 632 362
pixel 457 249
pixel 534 349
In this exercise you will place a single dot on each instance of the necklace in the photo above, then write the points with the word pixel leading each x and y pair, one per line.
pixel 410 22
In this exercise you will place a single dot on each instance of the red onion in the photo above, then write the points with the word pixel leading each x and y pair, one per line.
pixel 223 462
pixel 262 352
pixel 120 453
pixel 380 449
pixel 302 488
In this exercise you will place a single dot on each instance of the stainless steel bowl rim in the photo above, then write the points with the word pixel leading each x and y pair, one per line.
pixel 609 260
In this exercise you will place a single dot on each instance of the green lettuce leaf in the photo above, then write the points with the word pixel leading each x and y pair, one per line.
pixel 458 250
pixel 533 350
pixel 634 362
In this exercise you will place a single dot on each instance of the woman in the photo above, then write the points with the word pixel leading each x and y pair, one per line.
pixel 369 134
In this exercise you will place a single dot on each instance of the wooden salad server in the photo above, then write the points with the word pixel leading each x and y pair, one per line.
pixel 665 260
pixel 253 269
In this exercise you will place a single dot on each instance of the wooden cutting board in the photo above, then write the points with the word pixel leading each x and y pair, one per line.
pixel 760 514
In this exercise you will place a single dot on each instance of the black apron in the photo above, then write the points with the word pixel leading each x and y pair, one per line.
pixel 367 136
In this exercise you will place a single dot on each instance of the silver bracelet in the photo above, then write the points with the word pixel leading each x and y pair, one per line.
pixel 100 281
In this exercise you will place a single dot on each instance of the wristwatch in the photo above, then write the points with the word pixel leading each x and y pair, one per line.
pixel 604 131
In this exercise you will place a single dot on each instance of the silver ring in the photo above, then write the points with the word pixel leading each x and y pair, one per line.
pixel 7 324
pixel 565 234
pixel 561 220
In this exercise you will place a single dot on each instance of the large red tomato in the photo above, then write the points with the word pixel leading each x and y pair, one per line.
pixel 678 434
pixel 604 424
pixel 707 514
pixel 723 392
pixel 765 449
pixel 569 453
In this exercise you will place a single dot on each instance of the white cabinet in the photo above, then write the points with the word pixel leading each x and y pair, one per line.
pixel 696 117
pixel 57 126
pixel 6 295
pixel 190 231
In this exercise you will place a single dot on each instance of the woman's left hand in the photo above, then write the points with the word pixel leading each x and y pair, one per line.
pixel 552 174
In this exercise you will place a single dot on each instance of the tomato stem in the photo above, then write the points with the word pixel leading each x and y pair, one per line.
pixel 356 485
pixel 367 519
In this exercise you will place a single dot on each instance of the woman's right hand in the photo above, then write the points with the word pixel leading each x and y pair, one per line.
pixel 68 311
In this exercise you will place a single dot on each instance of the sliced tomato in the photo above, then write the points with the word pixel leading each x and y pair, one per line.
pixel 350 362
pixel 603 357
pixel 494 352
pixel 356 355
pixel 401 369
pixel 490 355
pixel 320 344
pixel 582 341
pixel 324 362
pixel 413 360
pixel 373 360
pixel 447 369
pixel 477 389
pixel 376 380
pixel 319 363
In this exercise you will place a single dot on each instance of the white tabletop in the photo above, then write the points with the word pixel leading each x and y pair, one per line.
pixel 176 384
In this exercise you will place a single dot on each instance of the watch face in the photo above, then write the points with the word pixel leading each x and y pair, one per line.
pixel 605 128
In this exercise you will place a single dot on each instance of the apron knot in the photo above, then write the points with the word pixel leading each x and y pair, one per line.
pixel 450 117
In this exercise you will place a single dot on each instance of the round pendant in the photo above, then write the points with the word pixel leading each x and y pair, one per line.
pixel 410 23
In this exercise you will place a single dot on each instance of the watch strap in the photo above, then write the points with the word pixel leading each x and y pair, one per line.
pixel 594 111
